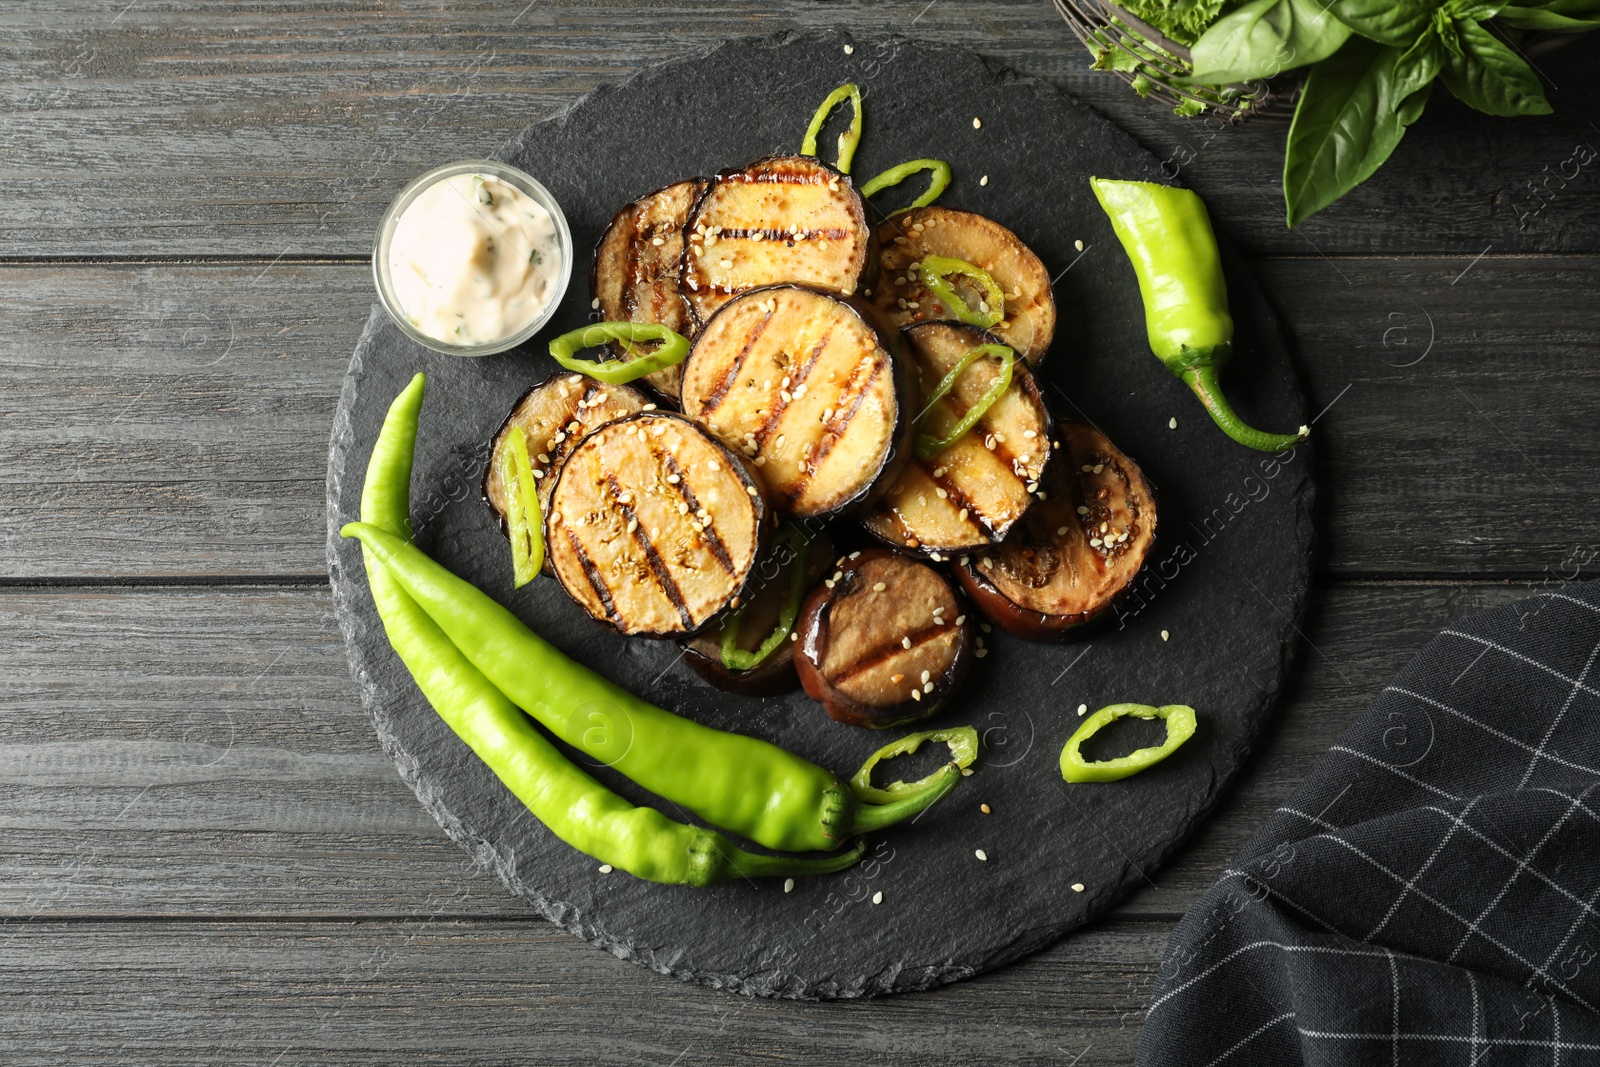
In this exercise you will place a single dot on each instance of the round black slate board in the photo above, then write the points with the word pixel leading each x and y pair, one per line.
pixel 1229 578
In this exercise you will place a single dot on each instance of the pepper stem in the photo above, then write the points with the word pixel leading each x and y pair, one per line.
pixel 870 817
pixel 736 861
pixel 1203 380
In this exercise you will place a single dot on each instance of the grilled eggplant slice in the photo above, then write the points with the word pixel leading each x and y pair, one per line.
pixel 884 641
pixel 1063 568
pixel 767 596
pixel 808 387
pixel 1030 311
pixel 637 264
pixel 654 526
pixel 781 219
pixel 974 492
pixel 554 416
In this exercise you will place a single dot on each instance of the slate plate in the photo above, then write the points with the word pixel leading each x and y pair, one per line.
pixel 1229 577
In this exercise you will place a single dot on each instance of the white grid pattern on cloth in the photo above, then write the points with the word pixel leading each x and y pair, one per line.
pixel 1556 722
pixel 1457 829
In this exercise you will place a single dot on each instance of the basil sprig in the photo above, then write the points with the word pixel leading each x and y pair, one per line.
pixel 1372 66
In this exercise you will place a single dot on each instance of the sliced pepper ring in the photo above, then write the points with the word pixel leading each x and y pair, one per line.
pixel 963 742
pixel 936 271
pixel 1180 721
pixel 672 350
pixel 847 140
pixel 526 525
pixel 929 446
pixel 938 182
pixel 736 658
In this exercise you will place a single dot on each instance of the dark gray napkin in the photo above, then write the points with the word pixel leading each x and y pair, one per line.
pixel 1429 894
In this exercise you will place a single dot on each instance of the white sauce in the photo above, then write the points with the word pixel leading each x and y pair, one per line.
pixel 473 259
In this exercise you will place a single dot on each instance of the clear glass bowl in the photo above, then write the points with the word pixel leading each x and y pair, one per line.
pixel 391 218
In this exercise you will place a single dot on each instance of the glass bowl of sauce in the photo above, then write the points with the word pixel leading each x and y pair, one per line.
pixel 472 258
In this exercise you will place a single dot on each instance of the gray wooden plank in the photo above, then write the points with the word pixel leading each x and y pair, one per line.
pixel 519 993
pixel 147 129
pixel 166 419
pixel 202 752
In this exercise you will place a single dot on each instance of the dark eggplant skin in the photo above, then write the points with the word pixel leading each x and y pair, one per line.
pixel 1033 625
pixel 748 477
pixel 776 674
pixel 903 437
pixel 815 626
pixel 649 381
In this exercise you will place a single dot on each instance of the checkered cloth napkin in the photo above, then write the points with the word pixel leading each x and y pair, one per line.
pixel 1429 894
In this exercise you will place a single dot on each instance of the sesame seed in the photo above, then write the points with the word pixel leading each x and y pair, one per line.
pixel 849 50
pixel 913 305
pixel 1086 469
pixel 986 628
pixel 905 642
pixel 673 479
pixel 916 694
pixel 977 123
pixel 985 809
pixel 658 242
pixel 1077 887
pixel 1060 530
pixel 981 652
pixel 1094 542
pixel 683 508
pixel 1078 245
pixel 1033 487
pixel 961 620
pixel 983 180
pixel 880 587
pixel 1083 709
pixel 981 854
pixel 1165 635
pixel 855 555
pixel 595 303
pixel 750 489
pixel 1104 526
pixel 927 687
pixel 896 679
pixel 925 677
pixel 788 885
pixel 828 583
pixel 1082 510
pixel 962 515
pixel 877 898
pixel 938 472
pixel 1172 423
pixel 633 524
pixel 605 868
pixel 794 635
pixel 940 492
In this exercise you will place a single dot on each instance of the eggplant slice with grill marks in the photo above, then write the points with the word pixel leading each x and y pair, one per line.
pixel 806 385
pixel 1030 311
pixel 1064 567
pixel 554 416
pixel 768 595
pixel 637 265
pixel 781 219
pixel 884 641
pixel 654 526
pixel 974 492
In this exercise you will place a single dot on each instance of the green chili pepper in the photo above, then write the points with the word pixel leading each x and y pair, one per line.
pixel 847 140
pixel 1167 234
pixel 672 350
pixel 1180 727
pixel 742 784
pixel 522 495
pixel 576 808
pixel 938 182
pixel 929 446
pixel 963 742
pixel 736 658
pixel 934 271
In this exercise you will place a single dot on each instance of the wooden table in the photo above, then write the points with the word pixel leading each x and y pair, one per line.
pixel 206 857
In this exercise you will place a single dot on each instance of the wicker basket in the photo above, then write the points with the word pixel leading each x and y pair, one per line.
pixel 1103 27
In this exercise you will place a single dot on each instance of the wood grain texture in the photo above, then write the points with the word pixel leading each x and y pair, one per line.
pixel 172 420
pixel 284 128
pixel 517 993
pixel 218 762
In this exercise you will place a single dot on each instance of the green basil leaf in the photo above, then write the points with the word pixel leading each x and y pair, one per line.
pixel 1344 127
pixel 1265 38
pixel 1559 16
pixel 1491 77
pixel 1397 23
